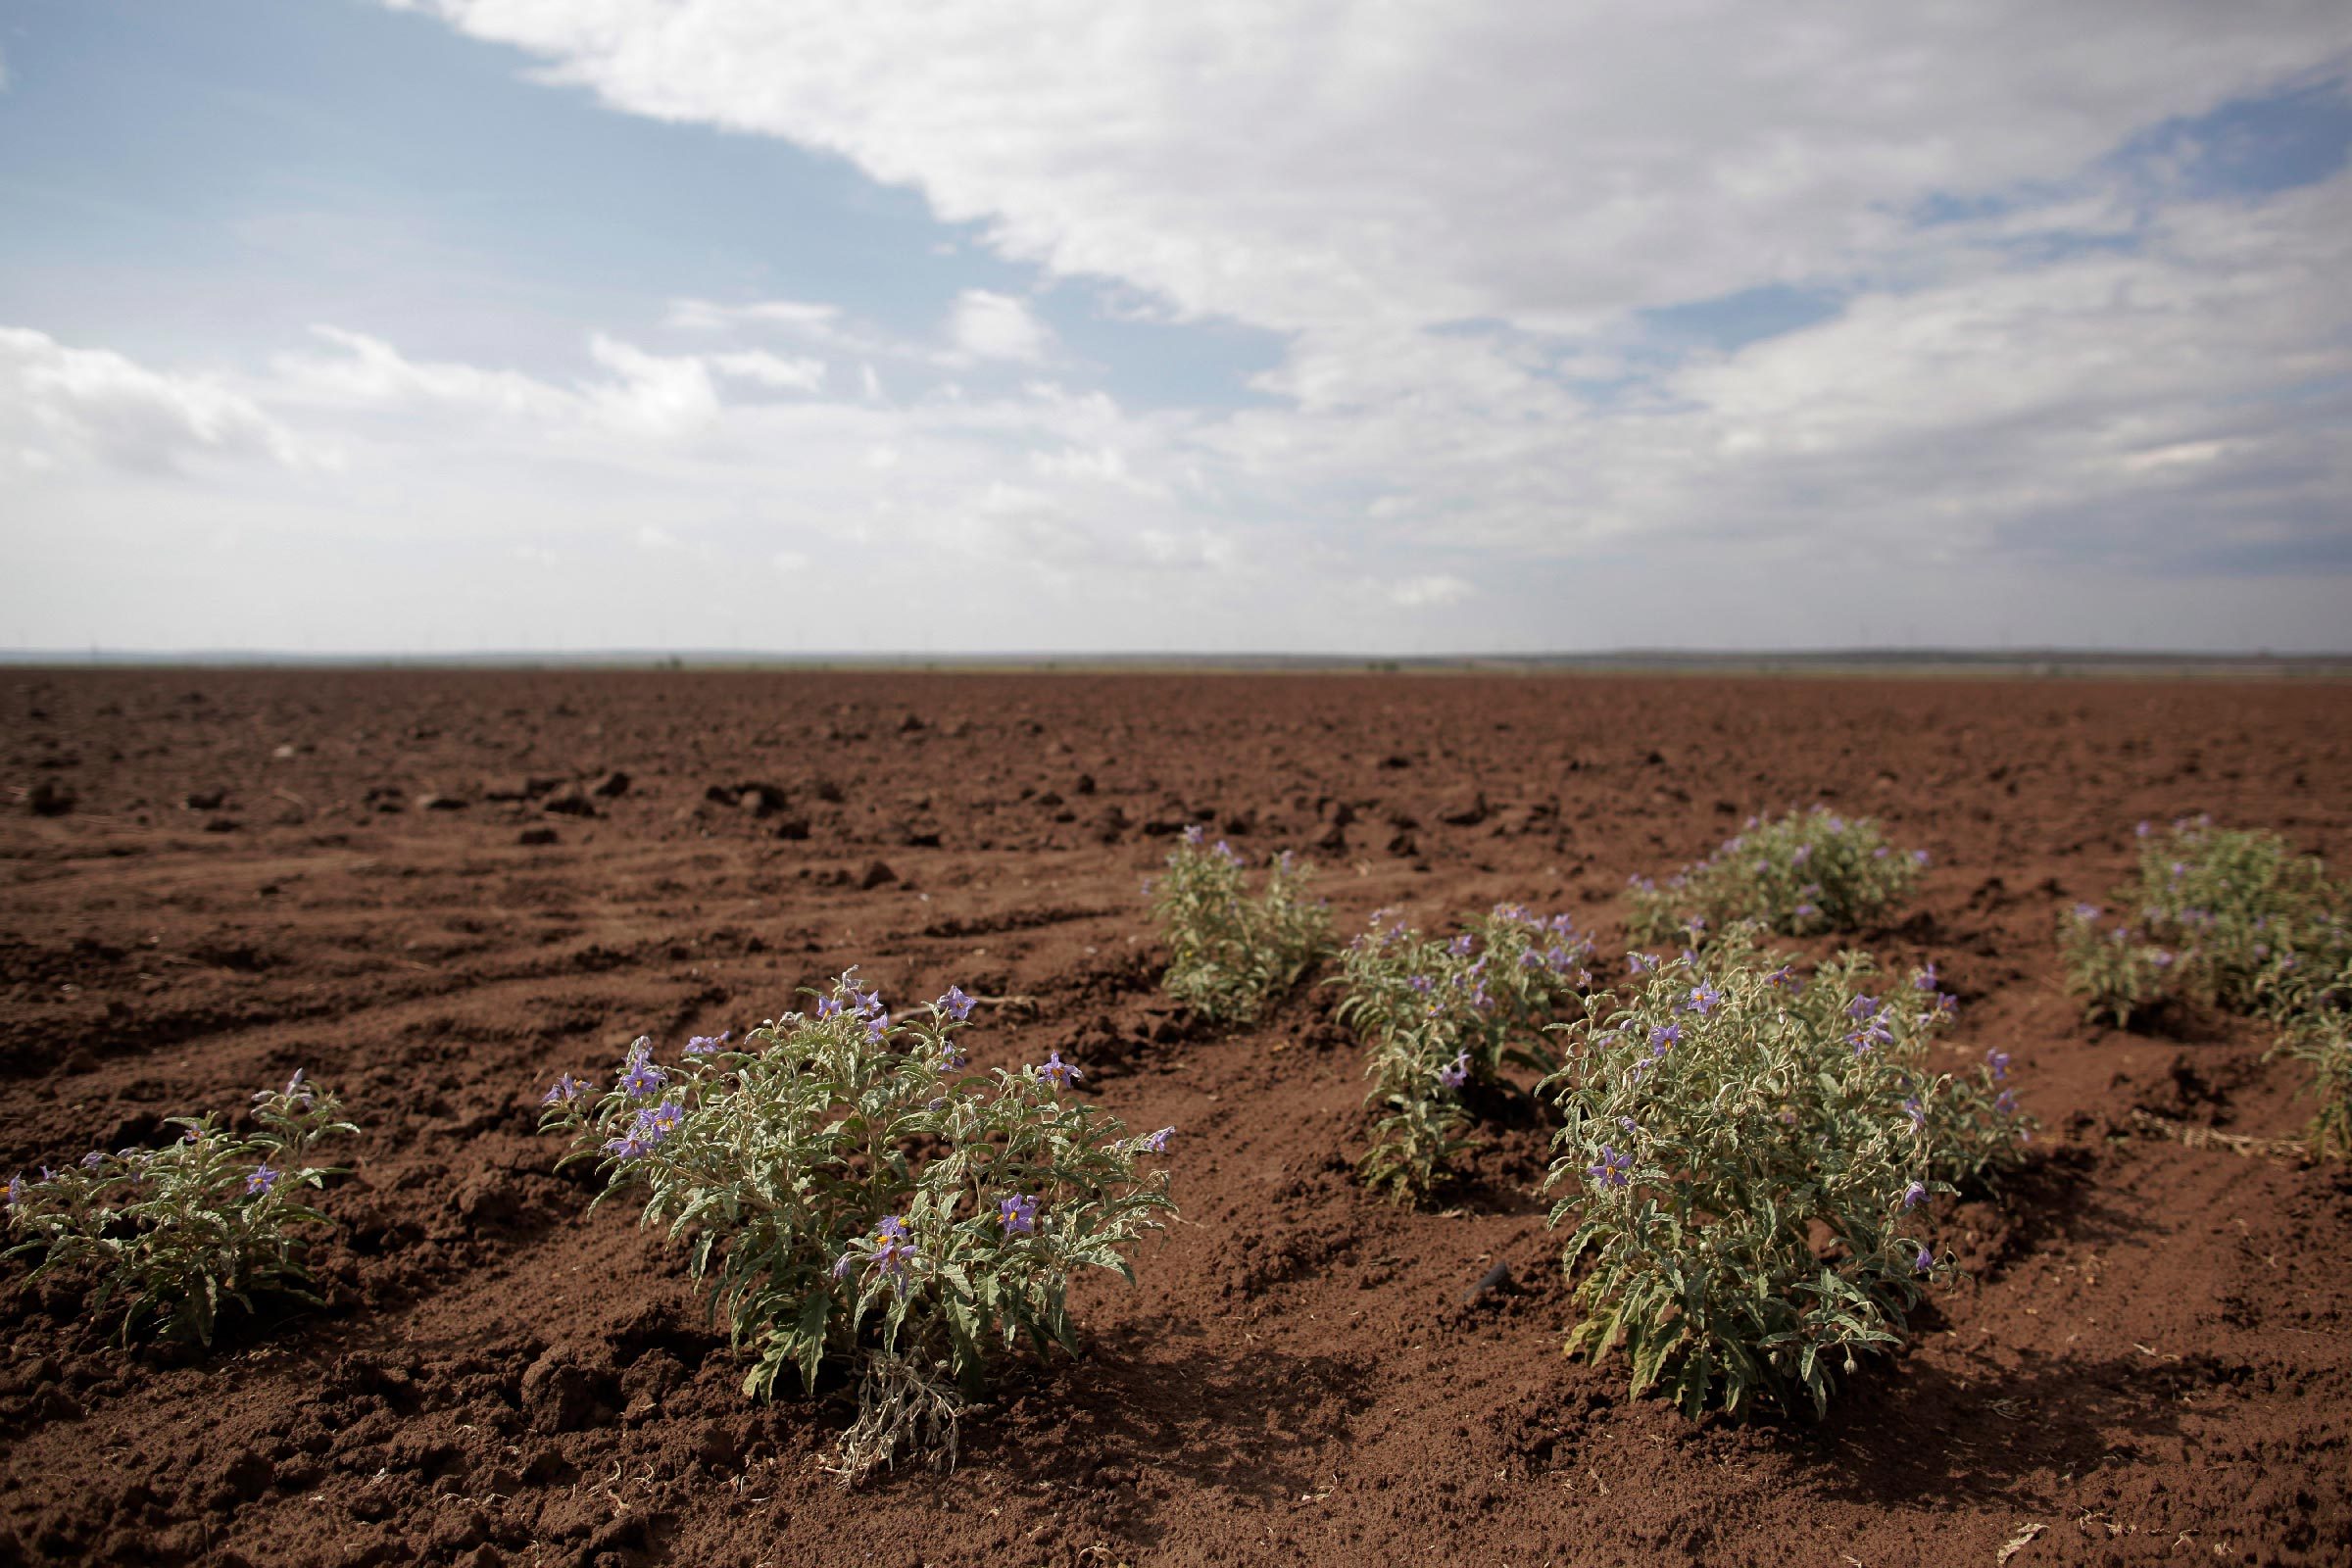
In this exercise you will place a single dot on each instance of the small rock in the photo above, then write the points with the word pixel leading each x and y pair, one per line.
pixel 558 1394
pixel 571 801
pixel 762 799
pixel 1496 1281
pixel 876 875
pixel 535 836
pixel 1464 810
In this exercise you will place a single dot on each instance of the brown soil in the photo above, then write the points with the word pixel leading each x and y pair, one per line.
pixel 2153 1360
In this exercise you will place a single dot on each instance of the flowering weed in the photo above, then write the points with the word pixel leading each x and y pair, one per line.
pixel 2323 1043
pixel 173 1233
pixel 2234 918
pixel 1437 1016
pixel 1231 953
pixel 1752 1155
pixel 852 1194
pixel 1799 875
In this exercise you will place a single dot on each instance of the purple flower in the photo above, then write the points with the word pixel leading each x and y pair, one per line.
pixel 1158 1143
pixel 1915 1194
pixel 2143 831
pixel 567 1091
pixel 1870 1036
pixel 260 1181
pixel 1703 999
pixel 1460 946
pixel 92 1161
pixel 296 1089
pixel 1862 1007
pixel 1998 1061
pixel 664 1119
pixel 1609 1170
pixel 2087 911
pixel 709 1045
pixel 1784 975
pixel 1925 979
pixel 1422 983
pixel 843 1264
pixel 1018 1216
pixel 1924 1262
pixel 1642 963
pixel 1196 835
pixel 1917 1112
pixel 1807 911
pixel 1919 857
pixel 893 1250
pixel 1456 1073
pixel 629 1146
pixel 640 1078
pixel 828 1008
pixel 2005 1102
pixel 15 1190
pixel 1804 853
pixel 1059 1072
pixel 955 1005
pixel 1661 1037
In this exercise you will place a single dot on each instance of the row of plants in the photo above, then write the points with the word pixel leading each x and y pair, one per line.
pixel 1747 1152
pixel 2233 919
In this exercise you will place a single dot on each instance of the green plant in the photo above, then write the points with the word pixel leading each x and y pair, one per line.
pixel 1230 954
pixel 1436 1016
pixel 176 1232
pixel 2116 970
pixel 852 1195
pixel 2323 1043
pixel 1801 874
pixel 2257 929
pixel 1753 1156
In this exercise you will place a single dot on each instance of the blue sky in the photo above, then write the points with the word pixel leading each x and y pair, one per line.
pixel 344 325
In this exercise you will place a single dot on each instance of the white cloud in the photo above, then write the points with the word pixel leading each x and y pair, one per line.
pixel 1350 166
pixel 1425 592
pixel 60 404
pixel 996 326
pixel 799 375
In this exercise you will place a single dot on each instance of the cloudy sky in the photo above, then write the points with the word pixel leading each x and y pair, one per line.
pixel 434 325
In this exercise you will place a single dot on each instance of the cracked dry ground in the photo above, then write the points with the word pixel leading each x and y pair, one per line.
pixel 2153 1362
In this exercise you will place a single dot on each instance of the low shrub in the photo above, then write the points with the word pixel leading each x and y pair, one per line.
pixel 2116 970
pixel 852 1196
pixel 2257 928
pixel 1801 874
pixel 1752 1154
pixel 1439 1015
pixel 1231 954
pixel 2323 1042
pixel 175 1233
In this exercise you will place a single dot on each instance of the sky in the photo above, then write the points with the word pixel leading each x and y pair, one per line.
pixel 434 326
